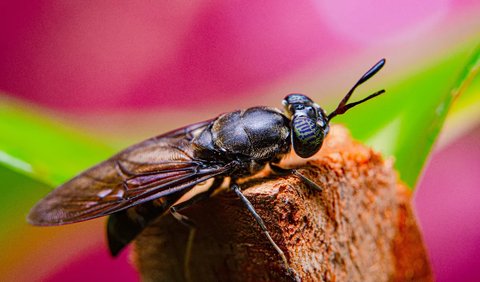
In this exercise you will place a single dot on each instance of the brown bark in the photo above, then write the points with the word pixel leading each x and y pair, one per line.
pixel 360 228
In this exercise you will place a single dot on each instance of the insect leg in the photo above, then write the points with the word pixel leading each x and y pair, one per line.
pixel 284 171
pixel 191 235
pixel 260 222
pixel 174 210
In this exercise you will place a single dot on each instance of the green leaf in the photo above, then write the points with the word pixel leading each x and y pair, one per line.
pixel 19 194
pixel 406 121
pixel 43 149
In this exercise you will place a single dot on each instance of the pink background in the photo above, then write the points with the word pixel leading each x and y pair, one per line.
pixel 95 63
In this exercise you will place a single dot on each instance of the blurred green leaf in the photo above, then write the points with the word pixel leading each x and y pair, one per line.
pixel 20 195
pixel 406 121
pixel 43 149
pixel 465 114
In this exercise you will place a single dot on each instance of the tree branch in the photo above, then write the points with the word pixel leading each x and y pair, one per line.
pixel 360 228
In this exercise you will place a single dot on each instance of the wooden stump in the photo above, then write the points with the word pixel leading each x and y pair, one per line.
pixel 360 228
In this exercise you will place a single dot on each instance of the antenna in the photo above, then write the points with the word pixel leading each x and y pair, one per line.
pixel 343 106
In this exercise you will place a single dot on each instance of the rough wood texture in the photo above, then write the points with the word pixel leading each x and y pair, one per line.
pixel 360 228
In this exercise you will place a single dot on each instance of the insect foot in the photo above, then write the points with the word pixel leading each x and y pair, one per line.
pixel 359 228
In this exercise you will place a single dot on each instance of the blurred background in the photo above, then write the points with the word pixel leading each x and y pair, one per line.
pixel 113 73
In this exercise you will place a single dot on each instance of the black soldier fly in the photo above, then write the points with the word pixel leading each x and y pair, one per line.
pixel 146 180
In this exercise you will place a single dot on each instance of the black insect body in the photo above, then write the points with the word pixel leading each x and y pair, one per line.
pixel 144 181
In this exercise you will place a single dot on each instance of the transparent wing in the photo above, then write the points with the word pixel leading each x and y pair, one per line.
pixel 155 168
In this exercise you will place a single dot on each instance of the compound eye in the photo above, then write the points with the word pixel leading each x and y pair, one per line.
pixel 307 136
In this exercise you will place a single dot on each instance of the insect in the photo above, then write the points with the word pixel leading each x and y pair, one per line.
pixel 146 180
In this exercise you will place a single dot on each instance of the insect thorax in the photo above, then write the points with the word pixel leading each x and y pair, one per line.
pixel 259 133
